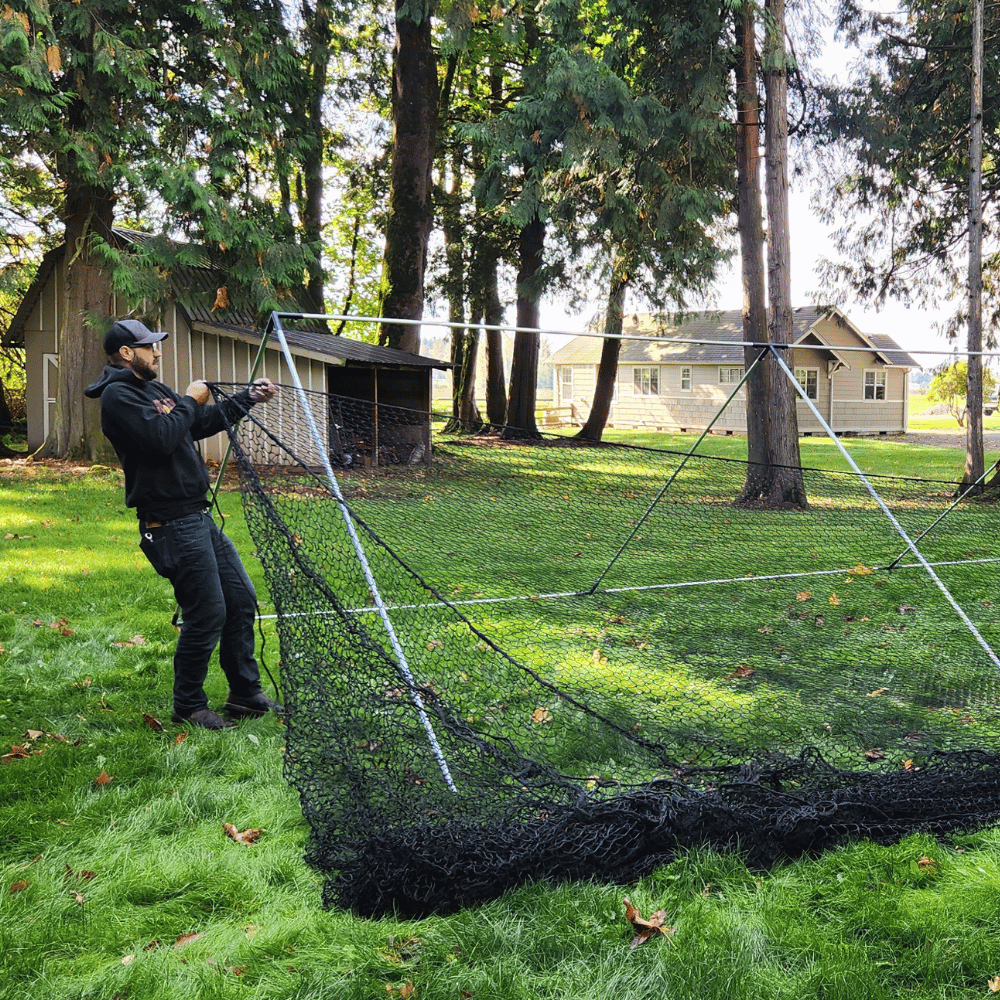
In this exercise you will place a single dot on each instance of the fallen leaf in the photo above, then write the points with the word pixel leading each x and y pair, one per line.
pixel 994 984
pixel 876 693
pixel 875 754
pixel 248 836
pixel 136 640
pixel 645 929
pixel 541 715
pixel 926 862
pixel 152 722
pixel 128 959
pixel 180 737
pixel 834 600
pixel 803 595
pixel 743 670
pixel 103 778
pixel 861 570
pixel 183 939
pixel 19 886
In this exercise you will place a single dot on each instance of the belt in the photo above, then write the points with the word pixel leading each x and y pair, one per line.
pixel 159 524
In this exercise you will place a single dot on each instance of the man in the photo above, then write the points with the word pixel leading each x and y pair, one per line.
pixel 153 431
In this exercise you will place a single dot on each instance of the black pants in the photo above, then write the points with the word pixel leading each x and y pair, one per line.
pixel 218 605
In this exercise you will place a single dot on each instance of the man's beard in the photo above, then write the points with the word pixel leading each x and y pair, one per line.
pixel 143 369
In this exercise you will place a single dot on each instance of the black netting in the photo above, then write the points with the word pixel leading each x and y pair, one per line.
pixel 558 660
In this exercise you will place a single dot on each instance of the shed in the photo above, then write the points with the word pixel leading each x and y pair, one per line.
pixel 220 345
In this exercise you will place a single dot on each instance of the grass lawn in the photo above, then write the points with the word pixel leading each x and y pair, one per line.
pixel 118 880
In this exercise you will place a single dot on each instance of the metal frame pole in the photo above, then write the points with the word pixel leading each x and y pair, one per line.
pixel 323 448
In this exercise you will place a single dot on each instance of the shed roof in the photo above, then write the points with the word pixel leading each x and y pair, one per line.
pixel 715 337
pixel 194 283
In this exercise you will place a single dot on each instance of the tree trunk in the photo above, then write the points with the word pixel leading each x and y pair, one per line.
pixel 751 228
pixel 414 117
pixel 524 363
pixel 787 486
pixel 607 369
pixel 76 431
pixel 319 35
pixel 974 457
pixel 464 339
pixel 496 378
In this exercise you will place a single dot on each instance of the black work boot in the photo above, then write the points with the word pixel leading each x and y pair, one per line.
pixel 251 706
pixel 205 718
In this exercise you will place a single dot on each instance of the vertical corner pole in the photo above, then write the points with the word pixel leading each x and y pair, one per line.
pixel 323 449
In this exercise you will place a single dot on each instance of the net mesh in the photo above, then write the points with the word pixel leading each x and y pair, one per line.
pixel 553 660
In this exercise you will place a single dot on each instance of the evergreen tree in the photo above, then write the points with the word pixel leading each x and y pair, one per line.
pixel 162 108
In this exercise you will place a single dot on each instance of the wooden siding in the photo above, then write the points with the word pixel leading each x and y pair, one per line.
pixel 840 400
pixel 187 355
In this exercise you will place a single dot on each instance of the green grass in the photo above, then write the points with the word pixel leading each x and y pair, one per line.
pixel 100 884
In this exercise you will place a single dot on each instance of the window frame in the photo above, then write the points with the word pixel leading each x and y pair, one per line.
pixel 879 380
pixel 565 370
pixel 646 380
pixel 805 383
pixel 731 375
pixel 687 375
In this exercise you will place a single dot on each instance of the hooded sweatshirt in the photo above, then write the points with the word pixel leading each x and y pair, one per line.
pixel 153 431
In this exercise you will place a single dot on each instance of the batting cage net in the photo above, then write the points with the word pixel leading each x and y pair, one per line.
pixel 508 661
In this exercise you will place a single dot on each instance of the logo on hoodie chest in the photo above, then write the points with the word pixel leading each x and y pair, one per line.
pixel 163 405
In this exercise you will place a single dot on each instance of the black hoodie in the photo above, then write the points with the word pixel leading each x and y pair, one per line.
pixel 153 431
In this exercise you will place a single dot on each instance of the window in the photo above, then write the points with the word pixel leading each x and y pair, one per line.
pixel 646 381
pixel 875 384
pixel 566 384
pixel 730 376
pixel 808 378
pixel 686 379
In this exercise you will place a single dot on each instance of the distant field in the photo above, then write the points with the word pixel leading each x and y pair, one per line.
pixel 922 420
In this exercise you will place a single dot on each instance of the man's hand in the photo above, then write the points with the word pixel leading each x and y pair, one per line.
pixel 198 391
pixel 262 390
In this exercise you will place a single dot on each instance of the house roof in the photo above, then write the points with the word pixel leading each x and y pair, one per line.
pixel 716 337
pixel 195 283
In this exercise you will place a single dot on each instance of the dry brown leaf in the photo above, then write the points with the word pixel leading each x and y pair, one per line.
pixel 19 886
pixel 248 836
pixel 994 984
pixel 743 670
pixel 926 862
pixel 803 595
pixel 183 939
pixel 152 722
pixel 875 754
pixel 103 779
pixel 878 692
pixel 136 640
pixel 541 715
pixel 645 929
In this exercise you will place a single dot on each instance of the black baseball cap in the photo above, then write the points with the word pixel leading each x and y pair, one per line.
pixel 128 333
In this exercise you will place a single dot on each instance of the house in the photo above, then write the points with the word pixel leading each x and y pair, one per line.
pixel 858 382
pixel 221 345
